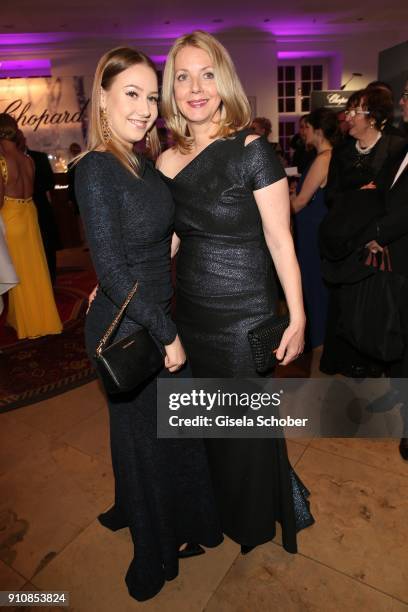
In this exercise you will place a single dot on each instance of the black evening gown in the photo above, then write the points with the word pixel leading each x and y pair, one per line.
pixel 225 286
pixel 163 490
pixel 349 170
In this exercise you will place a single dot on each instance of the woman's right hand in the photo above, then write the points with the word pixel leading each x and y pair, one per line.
pixel 292 343
pixel 175 355
pixel 91 298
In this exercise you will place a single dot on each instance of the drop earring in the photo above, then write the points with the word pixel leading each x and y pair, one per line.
pixel 148 141
pixel 106 131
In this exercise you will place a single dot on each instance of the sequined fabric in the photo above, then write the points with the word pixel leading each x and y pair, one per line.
pixel 163 491
pixel 225 286
pixel 301 502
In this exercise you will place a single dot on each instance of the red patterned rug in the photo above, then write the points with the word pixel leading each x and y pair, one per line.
pixel 34 370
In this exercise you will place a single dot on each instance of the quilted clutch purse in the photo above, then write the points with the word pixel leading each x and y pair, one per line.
pixel 127 363
pixel 265 339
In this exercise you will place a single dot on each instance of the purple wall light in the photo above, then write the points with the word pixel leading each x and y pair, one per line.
pixel 12 69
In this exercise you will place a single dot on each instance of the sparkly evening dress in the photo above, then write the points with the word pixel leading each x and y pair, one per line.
pixel 163 491
pixel 225 287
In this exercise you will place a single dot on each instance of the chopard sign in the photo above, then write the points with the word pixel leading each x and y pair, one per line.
pixel 24 117
pixel 336 99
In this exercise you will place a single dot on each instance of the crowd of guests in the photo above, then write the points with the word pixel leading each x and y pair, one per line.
pixel 350 215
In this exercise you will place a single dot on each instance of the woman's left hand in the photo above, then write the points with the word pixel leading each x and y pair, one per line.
pixel 374 247
pixel 292 343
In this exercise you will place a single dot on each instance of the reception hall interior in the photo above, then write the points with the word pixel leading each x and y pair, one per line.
pixel 294 59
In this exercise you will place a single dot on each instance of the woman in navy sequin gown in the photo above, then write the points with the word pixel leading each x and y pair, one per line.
pixel 232 213
pixel 163 491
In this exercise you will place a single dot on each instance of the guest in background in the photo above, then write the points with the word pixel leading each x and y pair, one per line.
pixel 8 276
pixel 263 127
pixel 74 151
pixel 303 154
pixel 354 166
pixel 403 103
pixel 385 87
pixel 389 127
pixel 32 310
pixel 309 208
pixel 390 230
pixel 44 184
pixel 343 124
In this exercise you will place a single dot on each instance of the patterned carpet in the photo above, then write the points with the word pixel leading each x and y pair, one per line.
pixel 34 370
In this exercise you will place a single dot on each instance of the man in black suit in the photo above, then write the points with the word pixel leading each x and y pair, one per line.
pixel 391 230
pixel 43 185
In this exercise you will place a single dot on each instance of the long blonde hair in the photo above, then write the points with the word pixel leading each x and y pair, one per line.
pixel 235 110
pixel 109 66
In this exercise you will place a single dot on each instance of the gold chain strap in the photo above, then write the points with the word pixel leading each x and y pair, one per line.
pixel 116 320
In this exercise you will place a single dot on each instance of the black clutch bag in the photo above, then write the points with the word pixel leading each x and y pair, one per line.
pixel 127 363
pixel 265 339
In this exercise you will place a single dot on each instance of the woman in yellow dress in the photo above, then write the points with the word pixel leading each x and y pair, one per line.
pixel 32 309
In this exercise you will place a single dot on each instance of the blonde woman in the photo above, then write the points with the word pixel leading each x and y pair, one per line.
pixel 232 225
pixel 162 487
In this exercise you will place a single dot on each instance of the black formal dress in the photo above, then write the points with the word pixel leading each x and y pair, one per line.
pixel 348 172
pixel 391 230
pixel 225 287
pixel 163 490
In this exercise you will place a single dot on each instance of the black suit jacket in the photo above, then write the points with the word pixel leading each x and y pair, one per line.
pixel 44 177
pixel 44 181
pixel 392 228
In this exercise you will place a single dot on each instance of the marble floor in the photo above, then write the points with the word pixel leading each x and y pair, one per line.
pixel 55 478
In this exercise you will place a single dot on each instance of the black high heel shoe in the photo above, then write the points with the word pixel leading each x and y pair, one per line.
pixel 191 550
pixel 246 549
pixel 112 519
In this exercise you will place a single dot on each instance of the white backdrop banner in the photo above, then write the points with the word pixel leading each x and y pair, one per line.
pixel 52 113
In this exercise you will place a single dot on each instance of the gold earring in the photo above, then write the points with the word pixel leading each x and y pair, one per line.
pixel 372 124
pixel 106 131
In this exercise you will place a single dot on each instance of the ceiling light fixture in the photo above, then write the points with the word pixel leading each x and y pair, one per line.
pixel 353 74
